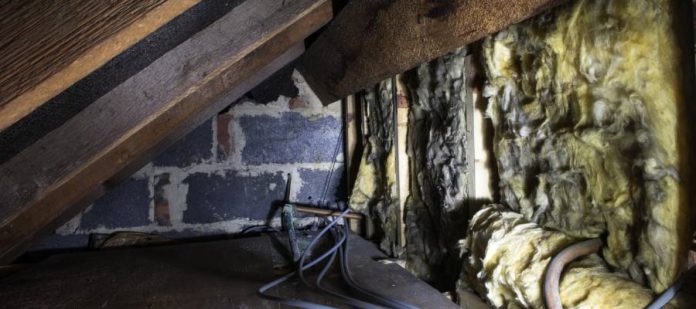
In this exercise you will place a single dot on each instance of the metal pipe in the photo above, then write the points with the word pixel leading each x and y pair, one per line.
pixel 552 294
pixel 326 212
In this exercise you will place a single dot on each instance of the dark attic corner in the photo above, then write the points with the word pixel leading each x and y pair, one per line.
pixel 228 174
pixel 347 154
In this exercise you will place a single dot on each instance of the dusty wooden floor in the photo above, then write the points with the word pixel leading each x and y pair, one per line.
pixel 202 275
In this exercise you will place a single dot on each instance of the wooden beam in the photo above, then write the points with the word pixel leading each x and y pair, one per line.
pixel 128 125
pixel 351 162
pixel 47 46
pixel 372 40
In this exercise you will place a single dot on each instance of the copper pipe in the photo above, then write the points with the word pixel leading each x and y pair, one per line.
pixel 326 212
pixel 552 293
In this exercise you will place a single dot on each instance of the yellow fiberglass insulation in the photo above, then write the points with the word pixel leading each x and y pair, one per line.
pixel 505 260
pixel 590 130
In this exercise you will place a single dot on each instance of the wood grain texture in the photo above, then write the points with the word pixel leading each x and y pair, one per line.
pixel 120 131
pixel 219 274
pixel 47 45
pixel 371 40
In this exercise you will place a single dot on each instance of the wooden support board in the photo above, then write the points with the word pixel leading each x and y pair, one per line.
pixel 351 139
pixel 403 171
pixel 46 46
pixel 121 130
pixel 373 40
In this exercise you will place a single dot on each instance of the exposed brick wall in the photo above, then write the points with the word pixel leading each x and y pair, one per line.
pixel 225 175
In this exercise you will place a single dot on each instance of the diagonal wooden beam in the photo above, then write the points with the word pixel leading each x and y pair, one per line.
pixel 128 125
pixel 46 46
pixel 369 41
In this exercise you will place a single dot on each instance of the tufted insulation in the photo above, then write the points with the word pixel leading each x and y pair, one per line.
pixel 505 260
pixel 590 138
pixel 374 192
pixel 437 138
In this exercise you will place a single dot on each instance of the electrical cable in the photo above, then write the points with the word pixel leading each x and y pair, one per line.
pixel 327 183
pixel 315 240
pixel 347 299
pixel 296 302
pixel 348 278
pixel 340 248
pixel 666 296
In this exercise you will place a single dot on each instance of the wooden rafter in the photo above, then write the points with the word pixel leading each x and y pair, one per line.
pixel 369 41
pixel 119 132
pixel 47 46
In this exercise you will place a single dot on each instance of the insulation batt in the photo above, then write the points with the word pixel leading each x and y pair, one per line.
pixel 375 192
pixel 437 137
pixel 591 139
pixel 506 257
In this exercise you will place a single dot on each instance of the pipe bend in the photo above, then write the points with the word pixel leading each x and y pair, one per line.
pixel 552 279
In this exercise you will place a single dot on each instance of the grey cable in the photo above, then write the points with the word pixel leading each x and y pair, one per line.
pixel 327 183
pixel 667 295
pixel 296 302
pixel 348 278
pixel 340 248
pixel 347 299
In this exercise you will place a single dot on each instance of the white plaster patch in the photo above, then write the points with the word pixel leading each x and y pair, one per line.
pixel 313 109
pixel 144 173
pixel 238 143
pixel 233 226
pixel 175 193
pixel 71 226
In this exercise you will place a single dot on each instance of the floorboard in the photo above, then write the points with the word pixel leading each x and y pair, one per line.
pixel 199 275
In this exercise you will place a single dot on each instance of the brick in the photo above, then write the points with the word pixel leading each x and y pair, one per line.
pixel 313 182
pixel 214 198
pixel 224 138
pixel 194 148
pixel 161 202
pixel 127 205
pixel 298 103
pixel 290 139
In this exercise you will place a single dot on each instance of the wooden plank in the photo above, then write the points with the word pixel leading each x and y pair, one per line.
pixel 351 161
pixel 403 172
pixel 125 127
pixel 351 127
pixel 372 40
pixel 481 169
pixel 219 274
pixel 46 46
